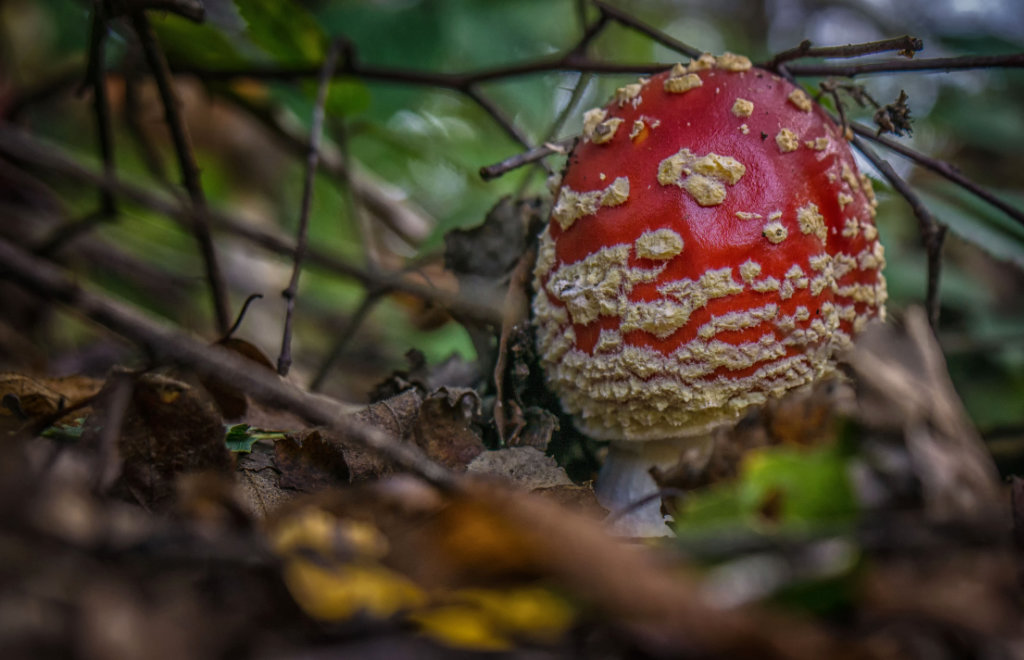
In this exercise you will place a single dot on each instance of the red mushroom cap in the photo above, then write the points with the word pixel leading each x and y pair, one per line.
pixel 712 246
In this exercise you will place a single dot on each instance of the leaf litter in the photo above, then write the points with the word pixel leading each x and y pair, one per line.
pixel 148 516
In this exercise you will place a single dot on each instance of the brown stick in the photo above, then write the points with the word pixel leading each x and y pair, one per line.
pixel 641 27
pixel 95 77
pixel 905 44
pixel 489 172
pixel 187 161
pixel 933 234
pixel 1014 60
pixel 941 168
pixel 170 345
pixel 284 360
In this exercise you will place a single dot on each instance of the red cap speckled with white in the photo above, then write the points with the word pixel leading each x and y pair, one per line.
pixel 712 246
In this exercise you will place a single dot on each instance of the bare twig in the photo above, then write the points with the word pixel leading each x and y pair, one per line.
pixel 69 231
pixel 489 172
pixel 370 300
pixel 95 76
pixel 117 400
pixel 1014 60
pixel 932 233
pixel 636 505
pixel 411 224
pixel 187 162
pixel 41 92
pixel 499 115
pixel 832 89
pixel 941 168
pixel 284 361
pixel 455 81
pixel 657 35
pixel 907 45
pixel 253 297
pixel 132 113
pixel 170 345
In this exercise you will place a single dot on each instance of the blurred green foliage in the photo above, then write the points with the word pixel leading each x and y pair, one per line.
pixel 779 490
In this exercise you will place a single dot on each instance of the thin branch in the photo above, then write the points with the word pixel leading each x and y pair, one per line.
pixel 42 92
pixel 941 168
pixel 370 300
pixel 95 76
pixel 590 32
pixel 490 172
pixel 69 231
pixel 932 233
pixel 499 115
pixel 829 87
pixel 132 113
pixel 410 224
pixel 168 344
pixel 657 35
pixel 934 253
pixel 1014 60
pixel 455 81
pixel 21 146
pixel 550 146
pixel 907 45
pixel 189 169
pixel 117 401
pixel 253 297
pixel 284 360
pixel 643 501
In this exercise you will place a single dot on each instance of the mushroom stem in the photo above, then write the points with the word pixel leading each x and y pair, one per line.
pixel 625 479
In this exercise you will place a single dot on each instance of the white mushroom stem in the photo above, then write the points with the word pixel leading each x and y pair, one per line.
pixel 625 479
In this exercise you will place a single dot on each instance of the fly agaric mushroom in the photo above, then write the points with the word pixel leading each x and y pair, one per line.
pixel 712 247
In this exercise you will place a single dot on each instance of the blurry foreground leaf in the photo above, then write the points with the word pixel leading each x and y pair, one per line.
pixel 334 593
pixel 495 619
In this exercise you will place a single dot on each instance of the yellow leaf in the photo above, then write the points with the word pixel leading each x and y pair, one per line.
pixel 328 536
pixel 462 626
pixel 492 619
pixel 535 613
pixel 339 592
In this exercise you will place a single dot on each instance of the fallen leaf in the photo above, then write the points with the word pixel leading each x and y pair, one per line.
pixel 527 467
pixel 339 592
pixel 903 386
pixel 167 428
pixel 444 428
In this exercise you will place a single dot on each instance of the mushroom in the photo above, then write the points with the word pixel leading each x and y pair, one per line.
pixel 712 247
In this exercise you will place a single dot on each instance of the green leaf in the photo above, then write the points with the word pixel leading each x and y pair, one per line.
pixel 779 490
pixel 65 432
pixel 811 486
pixel 284 29
pixel 241 437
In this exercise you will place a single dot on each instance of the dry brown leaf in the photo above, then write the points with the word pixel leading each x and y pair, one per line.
pixel 30 398
pixel 903 386
pixel 167 428
pixel 526 467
